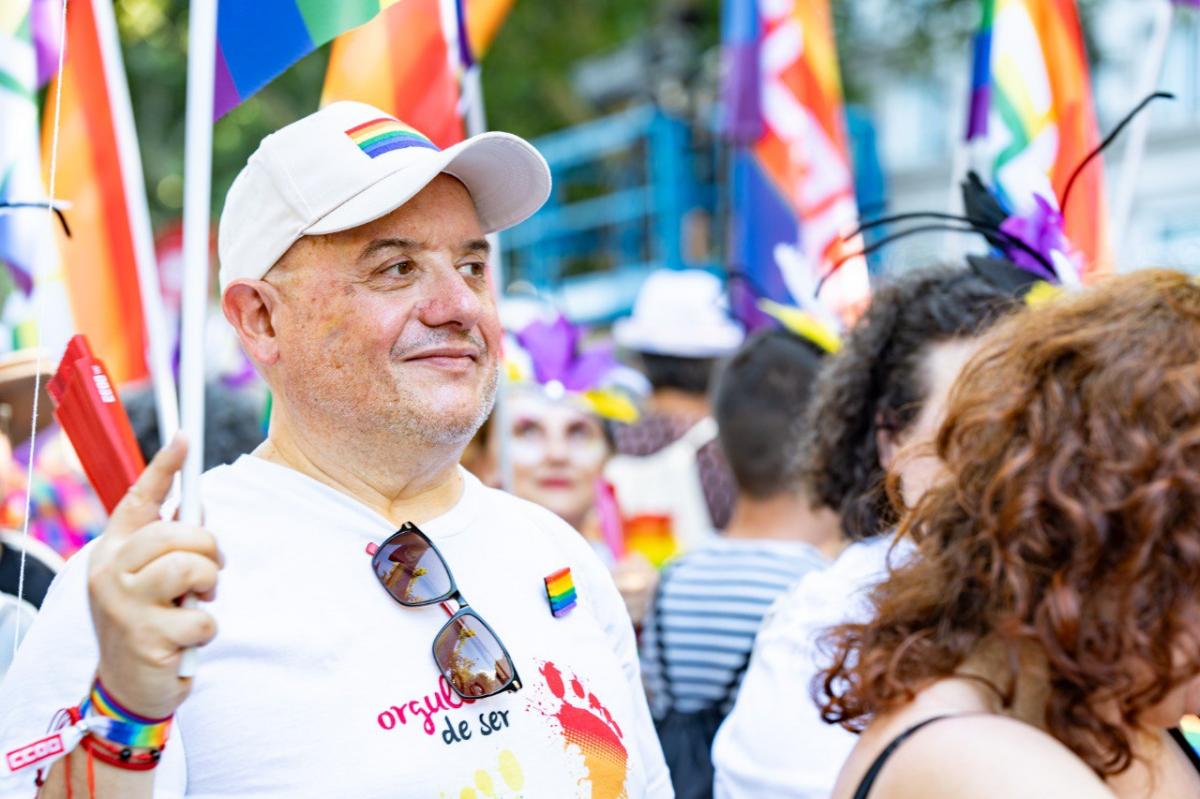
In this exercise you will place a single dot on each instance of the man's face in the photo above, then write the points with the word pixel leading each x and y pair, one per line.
pixel 391 327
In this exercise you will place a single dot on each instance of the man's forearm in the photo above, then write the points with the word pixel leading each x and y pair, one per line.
pixel 110 782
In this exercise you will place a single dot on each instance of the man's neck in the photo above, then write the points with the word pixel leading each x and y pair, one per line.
pixel 673 402
pixel 416 483
pixel 787 517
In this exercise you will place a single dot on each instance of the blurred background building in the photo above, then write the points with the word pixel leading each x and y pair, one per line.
pixel 643 184
pixel 623 97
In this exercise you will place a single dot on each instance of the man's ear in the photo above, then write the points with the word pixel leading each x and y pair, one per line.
pixel 249 305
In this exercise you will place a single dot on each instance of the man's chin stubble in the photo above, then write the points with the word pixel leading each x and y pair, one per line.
pixel 421 421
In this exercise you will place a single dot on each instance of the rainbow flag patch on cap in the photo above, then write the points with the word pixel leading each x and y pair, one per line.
pixel 560 590
pixel 385 134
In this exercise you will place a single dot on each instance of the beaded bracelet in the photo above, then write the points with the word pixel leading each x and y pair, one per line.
pixel 125 728
pixel 121 757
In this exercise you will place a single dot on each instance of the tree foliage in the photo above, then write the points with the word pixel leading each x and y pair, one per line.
pixel 527 73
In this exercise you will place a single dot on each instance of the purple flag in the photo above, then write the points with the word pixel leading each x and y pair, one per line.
pixel 45 18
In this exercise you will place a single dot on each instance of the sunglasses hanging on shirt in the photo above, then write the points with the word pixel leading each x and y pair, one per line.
pixel 467 650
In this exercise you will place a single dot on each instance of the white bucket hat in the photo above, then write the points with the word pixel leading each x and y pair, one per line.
pixel 349 164
pixel 682 313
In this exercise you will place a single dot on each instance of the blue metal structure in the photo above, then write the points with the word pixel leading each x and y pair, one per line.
pixel 625 188
pixel 633 192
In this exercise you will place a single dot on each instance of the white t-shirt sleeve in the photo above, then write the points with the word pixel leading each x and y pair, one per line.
pixel 53 669
pixel 596 583
pixel 774 744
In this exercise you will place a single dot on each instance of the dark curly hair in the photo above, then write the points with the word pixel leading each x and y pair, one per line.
pixel 1069 524
pixel 876 378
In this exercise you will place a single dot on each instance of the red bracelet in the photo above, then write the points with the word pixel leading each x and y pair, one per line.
pixel 122 757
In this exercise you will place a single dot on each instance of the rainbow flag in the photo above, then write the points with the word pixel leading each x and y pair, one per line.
pixel 1031 119
pixel 35 308
pixel 259 39
pixel 483 21
pixel 98 260
pixel 793 182
pixel 560 590
pixel 409 61
pixel 402 64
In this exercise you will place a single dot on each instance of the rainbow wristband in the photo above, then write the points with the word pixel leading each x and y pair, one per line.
pixel 125 728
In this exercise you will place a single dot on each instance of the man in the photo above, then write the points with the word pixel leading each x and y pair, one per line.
pixel 353 267
pixel 671 479
pixel 699 632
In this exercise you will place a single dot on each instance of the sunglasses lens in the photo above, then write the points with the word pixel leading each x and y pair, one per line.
pixel 471 658
pixel 411 570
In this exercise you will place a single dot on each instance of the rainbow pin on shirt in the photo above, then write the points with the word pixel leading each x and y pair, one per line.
pixel 560 590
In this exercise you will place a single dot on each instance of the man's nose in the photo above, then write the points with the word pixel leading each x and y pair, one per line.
pixel 450 299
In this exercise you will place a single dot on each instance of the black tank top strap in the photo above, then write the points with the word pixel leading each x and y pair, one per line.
pixel 868 780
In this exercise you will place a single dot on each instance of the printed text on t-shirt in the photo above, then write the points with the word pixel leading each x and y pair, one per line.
pixel 440 701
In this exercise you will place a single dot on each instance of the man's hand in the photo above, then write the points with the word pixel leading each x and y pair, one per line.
pixel 636 580
pixel 139 570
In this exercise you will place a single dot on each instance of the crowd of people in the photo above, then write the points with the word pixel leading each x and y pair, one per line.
pixel 955 553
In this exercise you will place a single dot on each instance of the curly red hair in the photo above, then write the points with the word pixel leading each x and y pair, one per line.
pixel 1069 522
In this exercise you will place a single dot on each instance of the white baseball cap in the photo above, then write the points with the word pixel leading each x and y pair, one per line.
pixel 349 164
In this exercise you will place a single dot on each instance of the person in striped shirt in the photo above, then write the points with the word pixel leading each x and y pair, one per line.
pixel 698 634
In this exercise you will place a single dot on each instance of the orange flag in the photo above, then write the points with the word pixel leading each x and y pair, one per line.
pixel 98 260
pixel 405 62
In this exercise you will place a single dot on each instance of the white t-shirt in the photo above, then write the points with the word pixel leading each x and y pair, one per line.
pixel 773 744
pixel 320 684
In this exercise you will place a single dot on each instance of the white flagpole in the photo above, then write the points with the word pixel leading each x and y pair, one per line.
pixel 197 183
pixel 475 117
pixel 1139 129
pixel 475 121
pixel 134 182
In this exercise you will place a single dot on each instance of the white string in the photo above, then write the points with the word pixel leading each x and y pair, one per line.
pixel 37 372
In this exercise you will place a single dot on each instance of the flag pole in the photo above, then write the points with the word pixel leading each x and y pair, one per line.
pixel 197 182
pixel 1139 130
pixel 474 116
pixel 158 356
pixel 476 123
pixel 969 156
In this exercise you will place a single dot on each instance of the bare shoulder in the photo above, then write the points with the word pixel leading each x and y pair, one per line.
pixel 984 757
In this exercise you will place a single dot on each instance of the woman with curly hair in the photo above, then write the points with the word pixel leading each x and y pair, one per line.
pixel 878 402
pixel 1050 622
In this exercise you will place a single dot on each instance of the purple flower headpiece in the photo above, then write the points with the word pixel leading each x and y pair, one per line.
pixel 554 349
pixel 1028 247
pixel 561 367
pixel 1044 231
